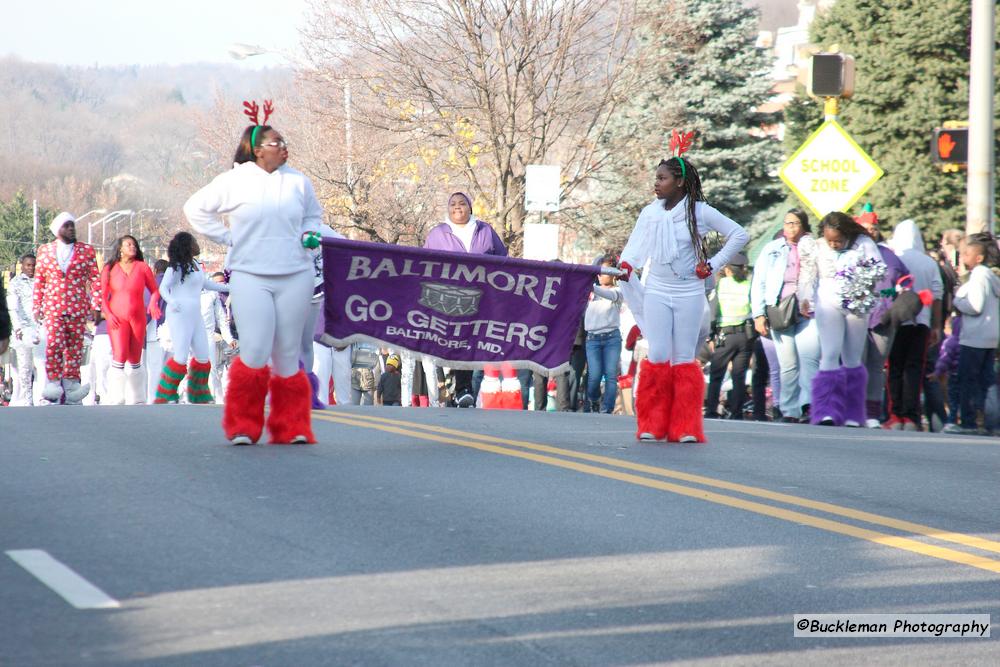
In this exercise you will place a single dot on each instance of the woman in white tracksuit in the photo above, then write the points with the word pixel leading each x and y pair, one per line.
pixel 669 234
pixel 181 288
pixel 839 388
pixel 274 218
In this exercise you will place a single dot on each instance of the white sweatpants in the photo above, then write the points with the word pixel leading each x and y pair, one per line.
pixel 26 378
pixel 270 313
pixel 328 361
pixel 673 324
pixel 842 334
pixel 100 362
pixel 187 332
pixel 308 331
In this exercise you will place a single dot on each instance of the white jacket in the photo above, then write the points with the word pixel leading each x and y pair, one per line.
pixel 267 215
pixel 979 302
pixel 662 237
pixel 908 244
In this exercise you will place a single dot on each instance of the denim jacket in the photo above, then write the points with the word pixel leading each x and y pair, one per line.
pixel 769 273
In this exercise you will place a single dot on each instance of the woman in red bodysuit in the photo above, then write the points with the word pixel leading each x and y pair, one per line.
pixel 124 281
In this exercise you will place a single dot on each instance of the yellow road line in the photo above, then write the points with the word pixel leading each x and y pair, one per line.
pixel 846 512
pixel 897 542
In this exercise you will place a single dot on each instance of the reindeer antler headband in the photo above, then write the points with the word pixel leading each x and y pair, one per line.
pixel 251 110
pixel 680 143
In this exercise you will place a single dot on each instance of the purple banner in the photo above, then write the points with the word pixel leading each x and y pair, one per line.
pixel 462 310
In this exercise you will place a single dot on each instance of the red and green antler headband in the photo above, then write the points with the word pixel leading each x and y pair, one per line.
pixel 680 143
pixel 251 109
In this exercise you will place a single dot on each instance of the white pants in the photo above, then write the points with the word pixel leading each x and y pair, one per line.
pixel 798 359
pixel 215 359
pixel 187 332
pixel 154 359
pixel 270 313
pixel 29 380
pixel 673 324
pixel 96 372
pixel 306 351
pixel 430 376
pixel 328 361
pixel 842 335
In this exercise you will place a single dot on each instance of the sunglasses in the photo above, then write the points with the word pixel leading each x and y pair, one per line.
pixel 281 143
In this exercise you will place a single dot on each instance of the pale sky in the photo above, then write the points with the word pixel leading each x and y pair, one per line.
pixel 148 32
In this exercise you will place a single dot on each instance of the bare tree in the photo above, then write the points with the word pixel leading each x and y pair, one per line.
pixel 497 84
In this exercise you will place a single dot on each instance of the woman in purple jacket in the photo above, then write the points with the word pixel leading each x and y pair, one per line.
pixel 461 232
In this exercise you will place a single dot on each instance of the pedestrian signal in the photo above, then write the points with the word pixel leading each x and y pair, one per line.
pixel 950 145
pixel 831 75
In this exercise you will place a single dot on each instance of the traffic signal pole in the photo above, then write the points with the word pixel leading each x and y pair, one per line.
pixel 981 188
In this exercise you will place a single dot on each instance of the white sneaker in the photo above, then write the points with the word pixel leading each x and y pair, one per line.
pixel 872 423
pixel 850 423
pixel 646 436
pixel 954 429
pixel 241 440
pixel 300 440
pixel 826 421
pixel 688 438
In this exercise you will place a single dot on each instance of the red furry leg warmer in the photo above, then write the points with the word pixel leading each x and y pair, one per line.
pixel 290 418
pixel 243 412
pixel 653 400
pixel 689 394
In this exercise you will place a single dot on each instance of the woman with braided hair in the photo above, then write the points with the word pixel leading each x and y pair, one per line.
pixel 668 240
pixel 274 220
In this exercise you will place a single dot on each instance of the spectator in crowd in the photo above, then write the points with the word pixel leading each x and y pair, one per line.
pixel 951 248
pixel 838 391
pixel 909 348
pixel 220 337
pixel 880 336
pixel 26 337
pixel 946 371
pixel 601 320
pixel 979 302
pixel 734 339
pixel 781 280
pixel 67 293
pixel 125 280
pixel 389 391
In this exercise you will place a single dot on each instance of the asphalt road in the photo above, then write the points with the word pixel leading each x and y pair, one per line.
pixel 468 537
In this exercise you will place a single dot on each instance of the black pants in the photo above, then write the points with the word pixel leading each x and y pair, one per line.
pixel 758 383
pixel 463 382
pixel 737 349
pixel 906 371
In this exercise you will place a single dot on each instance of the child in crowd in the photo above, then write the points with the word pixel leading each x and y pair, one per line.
pixel 390 385
pixel 979 302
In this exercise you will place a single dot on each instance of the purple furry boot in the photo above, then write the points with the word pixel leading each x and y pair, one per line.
pixel 314 383
pixel 828 398
pixel 855 383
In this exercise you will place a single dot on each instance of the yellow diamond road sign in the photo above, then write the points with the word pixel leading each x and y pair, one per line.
pixel 830 171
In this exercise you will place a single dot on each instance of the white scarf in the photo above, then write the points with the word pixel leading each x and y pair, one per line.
pixel 661 235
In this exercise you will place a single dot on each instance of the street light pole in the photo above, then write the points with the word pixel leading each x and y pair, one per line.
pixel 982 159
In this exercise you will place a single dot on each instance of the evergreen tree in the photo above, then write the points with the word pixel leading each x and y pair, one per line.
pixel 17 229
pixel 703 73
pixel 912 70
pixel 719 84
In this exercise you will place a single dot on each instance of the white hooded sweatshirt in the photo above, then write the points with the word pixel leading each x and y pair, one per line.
pixel 979 302
pixel 908 244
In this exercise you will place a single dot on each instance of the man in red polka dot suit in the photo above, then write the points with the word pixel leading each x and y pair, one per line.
pixel 67 292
